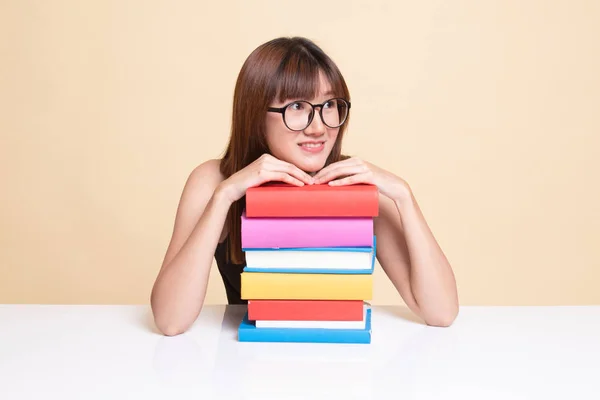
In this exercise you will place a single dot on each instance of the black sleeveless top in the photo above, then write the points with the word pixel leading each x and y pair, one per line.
pixel 231 274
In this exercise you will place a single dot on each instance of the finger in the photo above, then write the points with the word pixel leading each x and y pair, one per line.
pixel 293 170
pixel 328 168
pixel 336 165
pixel 353 179
pixel 341 171
pixel 285 177
pixel 333 166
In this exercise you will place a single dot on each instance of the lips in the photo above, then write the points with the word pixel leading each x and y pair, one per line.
pixel 312 147
pixel 311 144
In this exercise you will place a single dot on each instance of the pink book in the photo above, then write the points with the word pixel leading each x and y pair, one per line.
pixel 294 232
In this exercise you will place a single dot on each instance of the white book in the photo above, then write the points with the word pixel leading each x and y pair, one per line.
pixel 316 324
pixel 306 259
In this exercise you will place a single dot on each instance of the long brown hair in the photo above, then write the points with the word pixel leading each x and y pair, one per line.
pixel 282 68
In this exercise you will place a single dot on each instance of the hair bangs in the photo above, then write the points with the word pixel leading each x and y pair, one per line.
pixel 298 77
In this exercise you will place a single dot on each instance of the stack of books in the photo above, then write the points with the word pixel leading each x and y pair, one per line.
pixel 310 253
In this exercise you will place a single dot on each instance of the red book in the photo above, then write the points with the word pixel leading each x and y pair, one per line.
pixel 305 310
pixel 286 200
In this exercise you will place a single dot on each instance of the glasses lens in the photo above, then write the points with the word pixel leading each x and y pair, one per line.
pixel 335 112
pixel 297 115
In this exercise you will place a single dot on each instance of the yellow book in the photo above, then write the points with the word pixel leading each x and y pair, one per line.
pixel 292 286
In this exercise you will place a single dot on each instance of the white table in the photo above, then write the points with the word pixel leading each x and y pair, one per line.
pixel 114 352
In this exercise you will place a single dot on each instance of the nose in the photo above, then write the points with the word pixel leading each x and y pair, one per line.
pixel 316 127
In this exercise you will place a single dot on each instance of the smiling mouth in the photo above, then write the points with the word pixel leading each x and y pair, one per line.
pixel 311 145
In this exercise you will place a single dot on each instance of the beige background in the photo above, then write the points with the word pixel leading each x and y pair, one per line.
pixel 490 110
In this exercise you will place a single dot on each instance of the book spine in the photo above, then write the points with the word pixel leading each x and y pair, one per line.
pixel 305 310
pixel 285 335
pixel 307 259
pixel 295 203
pixel 269 232
pixel 249 333
pixel 285 286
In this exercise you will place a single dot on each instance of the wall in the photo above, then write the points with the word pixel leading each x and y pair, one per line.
pixel 488 109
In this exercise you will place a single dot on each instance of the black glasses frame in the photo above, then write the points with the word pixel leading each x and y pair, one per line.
pixel 281 110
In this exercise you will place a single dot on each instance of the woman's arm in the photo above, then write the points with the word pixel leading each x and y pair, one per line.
pixel 411 257
pixel 406 248
pixel 180 288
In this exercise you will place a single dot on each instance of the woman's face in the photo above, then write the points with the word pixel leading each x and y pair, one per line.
pixel 308 149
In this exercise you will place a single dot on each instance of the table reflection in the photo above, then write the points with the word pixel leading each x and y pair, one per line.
pixel 396 363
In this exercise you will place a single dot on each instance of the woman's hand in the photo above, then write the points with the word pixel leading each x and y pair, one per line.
pixel 264 169
pixel 354 170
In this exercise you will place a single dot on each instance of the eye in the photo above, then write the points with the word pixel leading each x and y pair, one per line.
pixel 330 104
pixel 297 106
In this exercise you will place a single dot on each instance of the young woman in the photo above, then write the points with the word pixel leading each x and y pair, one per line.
pixel 291 106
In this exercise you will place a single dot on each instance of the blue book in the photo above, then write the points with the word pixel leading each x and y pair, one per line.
pixel 248 332
pixel 312 260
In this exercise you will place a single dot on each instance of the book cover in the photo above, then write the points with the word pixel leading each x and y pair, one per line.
pixel 293 323
pixel 324 260
pixel 291 286
pixel 286 200
pixel 305 310
pixel 248 332
pixel 292 232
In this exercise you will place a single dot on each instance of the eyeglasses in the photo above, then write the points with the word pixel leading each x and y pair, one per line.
pixel 298 115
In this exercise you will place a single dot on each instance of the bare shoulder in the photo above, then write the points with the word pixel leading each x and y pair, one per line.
pixel 199 188
pixel 206 174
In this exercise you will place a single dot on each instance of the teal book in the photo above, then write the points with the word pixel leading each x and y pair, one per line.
pixel 248 332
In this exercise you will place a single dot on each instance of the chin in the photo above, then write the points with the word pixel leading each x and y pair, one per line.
pixel 306 161
pixel 311 166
